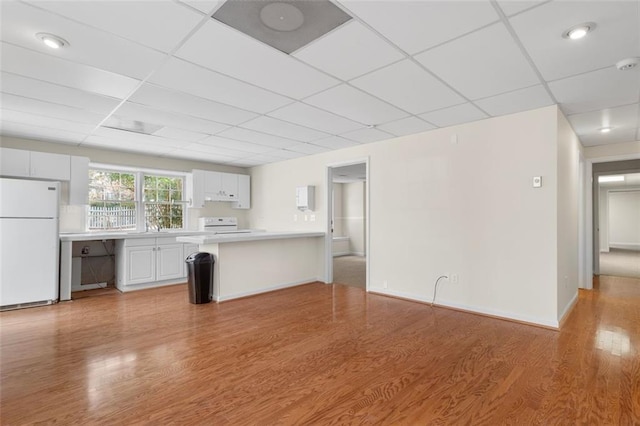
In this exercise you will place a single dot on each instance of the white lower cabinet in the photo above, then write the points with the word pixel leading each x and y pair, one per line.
pixel 149 262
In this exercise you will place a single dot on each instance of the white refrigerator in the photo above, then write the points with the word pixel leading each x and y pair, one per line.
pixel 29 248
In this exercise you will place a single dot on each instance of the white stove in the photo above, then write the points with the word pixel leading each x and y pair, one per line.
pixel 220 225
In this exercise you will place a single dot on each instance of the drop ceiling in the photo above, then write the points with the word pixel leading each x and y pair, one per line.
pixel 212 93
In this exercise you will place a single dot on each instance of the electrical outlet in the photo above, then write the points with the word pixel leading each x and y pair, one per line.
pixel 312 218
pixel 384 284
pixel 295 217
pixel 453 278
pixel 306 218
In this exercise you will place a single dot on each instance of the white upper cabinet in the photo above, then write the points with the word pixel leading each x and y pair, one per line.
pixel 244 193
pixel 206 185
pixel 50 166
pixel 79 182
pixel 14 162
pixel 33 164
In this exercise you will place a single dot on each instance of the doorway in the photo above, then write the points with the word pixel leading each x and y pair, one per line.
pixel 347 251
pixel 619 224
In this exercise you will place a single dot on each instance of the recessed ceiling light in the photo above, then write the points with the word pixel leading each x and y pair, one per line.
pixel 52 40
pixel 579 31
pixel 605 129
pixel 617 178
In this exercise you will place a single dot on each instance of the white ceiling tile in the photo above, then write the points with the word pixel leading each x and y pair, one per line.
pixel 624 117
pixel 236 54
pixel 408 86
pixel 236 145
pixel 217 150
pixel 349 51
pixel 179 134
pixel 48 92
pixel 615 136
pixel 205 6
pixel 335 142
pixel 119 144
pixel 155 96
pixel 516 101
pixel 47 109
pixel 307 148
pixel 246 162
pixel 406 126
pixel 315 118
pixel 45 122
pixel 158 24
pixel 142 113
pixel 454 115
pixel 59 71
pixel 264 158
pixel 183 76
pixel 418 25
pixel 616 36
pixel 596 90
pixel 28 131
pixel 485 63
pixel 188 154
pixel 88 46
pixel 283 129
pixel 285 154
pixel 355 105
pixel 367 135
pixel 511 7
pixel 260 138
pixel 138 138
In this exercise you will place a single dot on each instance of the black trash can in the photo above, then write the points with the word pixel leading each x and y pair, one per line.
pixel 200 282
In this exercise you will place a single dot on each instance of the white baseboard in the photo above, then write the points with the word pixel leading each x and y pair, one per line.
pixel 626 246
pixel 264 290
pixel 567 309
pixel 472 309
pixel 341 253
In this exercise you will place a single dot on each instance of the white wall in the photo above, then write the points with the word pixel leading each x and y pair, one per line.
pixel 625 149
pixel 338 211
pixel 354 224
pixel 603 218
pixel 438 207
pixel 624 219
pixel 568 163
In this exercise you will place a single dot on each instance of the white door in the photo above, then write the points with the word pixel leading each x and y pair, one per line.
pixel 170 262
pixel 141 264
pixel 29 261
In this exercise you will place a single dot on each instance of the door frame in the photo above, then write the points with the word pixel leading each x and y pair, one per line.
pixel 328 241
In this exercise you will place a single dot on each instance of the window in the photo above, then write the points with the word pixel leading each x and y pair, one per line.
pixel 112 200
pixel 160 196
pixel 126 200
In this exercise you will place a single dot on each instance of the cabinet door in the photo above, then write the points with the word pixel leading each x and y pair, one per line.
pixel 229 183
pixel 79 183
pixel 244 193
pixel 212 186
pixel 14 162
pixel 170 262
pixel 195 188
pixel 50 166
pixel 141 264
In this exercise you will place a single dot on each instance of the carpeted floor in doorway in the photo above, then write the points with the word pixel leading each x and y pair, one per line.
pixel 350 270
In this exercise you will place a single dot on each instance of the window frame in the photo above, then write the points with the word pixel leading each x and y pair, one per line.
pixel 139 202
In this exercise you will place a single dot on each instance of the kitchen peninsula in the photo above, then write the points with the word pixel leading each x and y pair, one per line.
pixel 257 262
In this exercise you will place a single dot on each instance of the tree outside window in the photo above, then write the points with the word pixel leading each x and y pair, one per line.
pixel 162 201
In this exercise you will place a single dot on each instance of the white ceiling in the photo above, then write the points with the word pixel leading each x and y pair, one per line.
pixel 397 68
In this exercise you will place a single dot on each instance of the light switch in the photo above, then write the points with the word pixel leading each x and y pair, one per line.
pixel 537 181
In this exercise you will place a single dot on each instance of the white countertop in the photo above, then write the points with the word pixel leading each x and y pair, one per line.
pixel 121 235
pixel 209 238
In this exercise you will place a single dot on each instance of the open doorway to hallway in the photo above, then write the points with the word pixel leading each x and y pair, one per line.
pixel 619 224
pixel 349 224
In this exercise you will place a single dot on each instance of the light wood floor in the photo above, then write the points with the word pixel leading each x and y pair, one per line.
pixel 318 354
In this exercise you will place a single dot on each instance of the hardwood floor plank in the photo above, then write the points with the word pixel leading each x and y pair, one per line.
pixel 317 354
